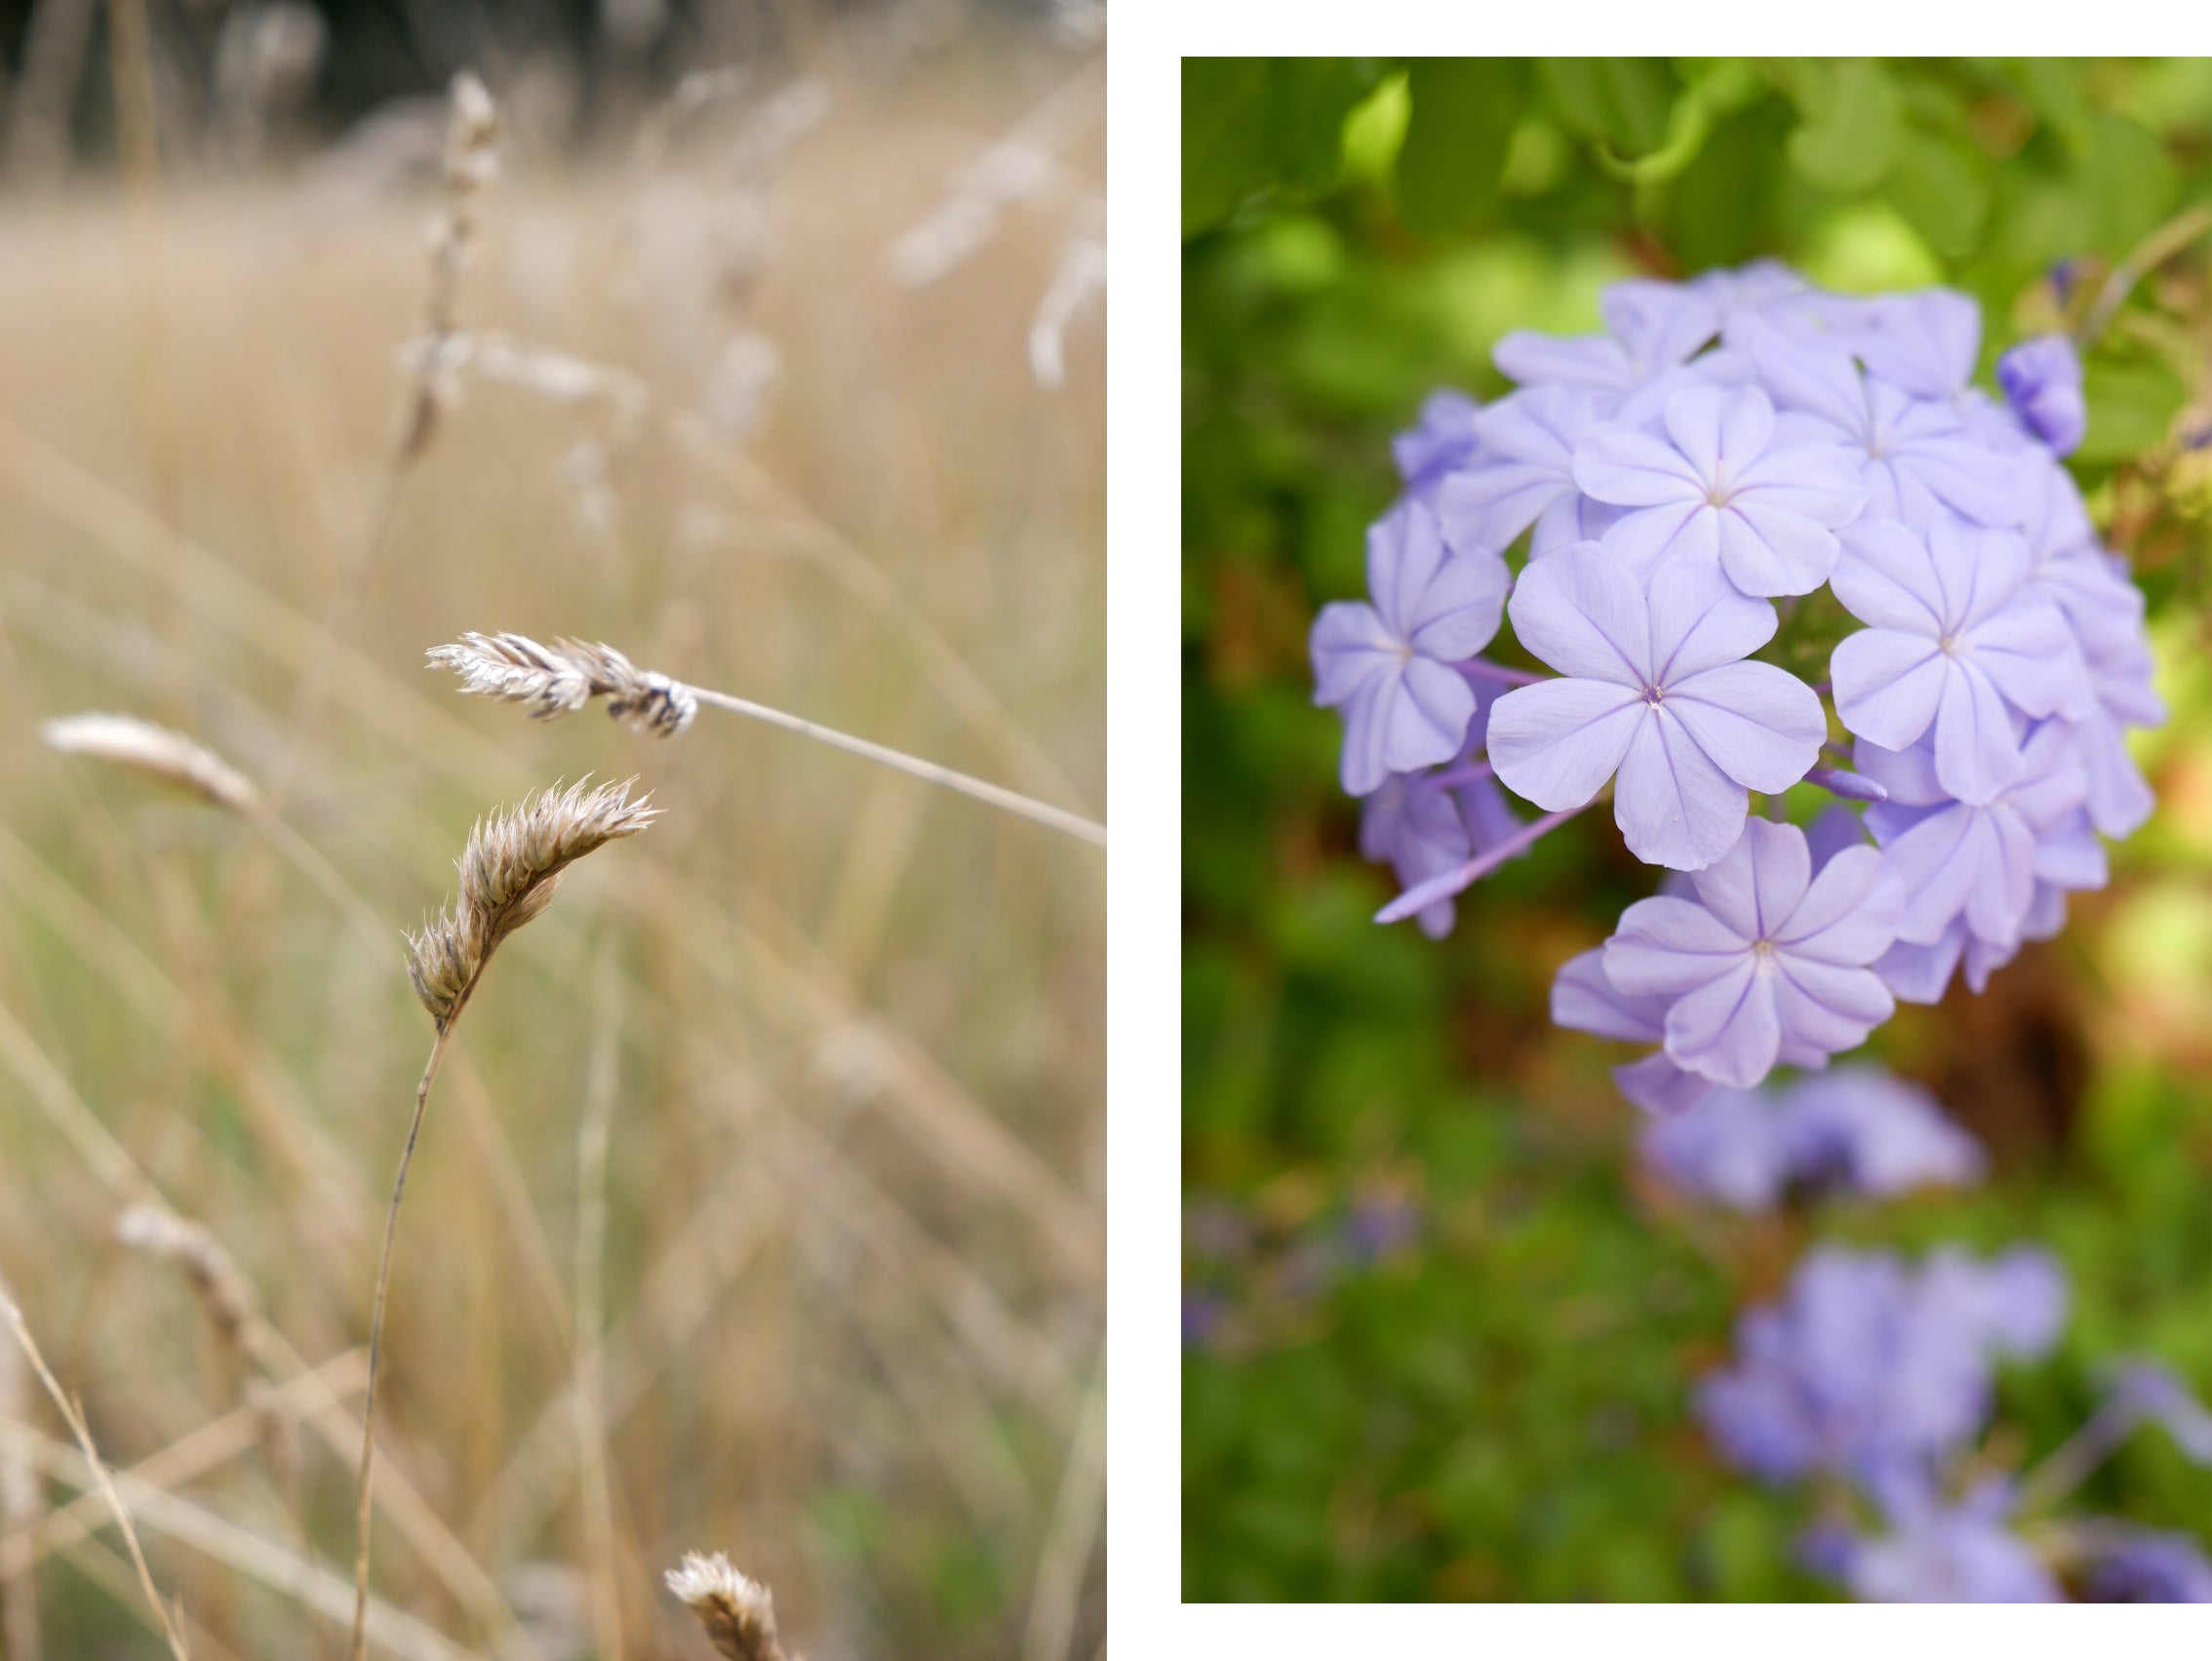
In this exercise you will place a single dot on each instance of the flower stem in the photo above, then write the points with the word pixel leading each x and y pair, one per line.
pixel 2068 1465
pixel 1422 895
pixel 368 1467
pixel 1478 669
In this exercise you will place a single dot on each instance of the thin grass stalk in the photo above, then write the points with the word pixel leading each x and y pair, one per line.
pixel 75 1418
pixel 601 1083
pixel 551 681
pixel 22 1501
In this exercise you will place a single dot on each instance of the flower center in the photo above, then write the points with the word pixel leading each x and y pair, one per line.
pixel 1717 492
pixel 1949 645
pixel 1762 952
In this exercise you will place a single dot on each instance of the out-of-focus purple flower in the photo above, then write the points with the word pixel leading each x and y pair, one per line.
pixel 1650 328
pixel 1730 1147
pixel 1923 343
pixel 1869 1131
pixel 1857 1129
pixel 2153 1392
pixel 1717 491
pixel 1769 962
pixel 1940 1552
pixel 2119 798
pixel 1526 475
pixel 1441 440
pixel 1872 1371
pixel 1584 999
pixel 1388 664
pixel 1203 1316
pixel 1914 456
pixel 1380 1225
pixel 1953 643
pixel 2144 1567
pixel 2042 382
pixel 1655 688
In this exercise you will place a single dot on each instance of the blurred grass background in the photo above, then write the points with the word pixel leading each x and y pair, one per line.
pixel 852 1029
pixel 1439 1332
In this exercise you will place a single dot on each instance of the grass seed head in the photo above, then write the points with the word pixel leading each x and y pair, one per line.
pixel 736 1612
pixel 550 680
pixel 509 872
pixel 156 751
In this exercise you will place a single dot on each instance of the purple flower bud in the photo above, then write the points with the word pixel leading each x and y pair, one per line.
pixel 2042 382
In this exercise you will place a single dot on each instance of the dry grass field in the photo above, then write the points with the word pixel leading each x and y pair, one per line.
pixel 760 1207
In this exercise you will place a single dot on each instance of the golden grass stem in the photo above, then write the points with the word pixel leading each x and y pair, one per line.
pixel 603 1082
pixel 367 1470
pixel 21 1504
pixel 74 1416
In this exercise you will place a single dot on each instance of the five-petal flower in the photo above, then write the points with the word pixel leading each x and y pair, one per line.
pixel 1388 664
pixel 1655 686
pixel 1769 962
pixel 1954 642
pixel 1716 488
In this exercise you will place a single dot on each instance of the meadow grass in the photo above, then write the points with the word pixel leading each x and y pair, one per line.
pixel 762 1211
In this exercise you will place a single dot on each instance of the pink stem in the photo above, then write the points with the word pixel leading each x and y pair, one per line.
pixel 1422 895
pixel 1476 669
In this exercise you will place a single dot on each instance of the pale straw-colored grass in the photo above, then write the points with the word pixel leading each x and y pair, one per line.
pixel 736 1612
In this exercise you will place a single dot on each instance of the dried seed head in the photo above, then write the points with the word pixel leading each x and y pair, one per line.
pixel 205 1261
pixel 155 750
pixel 471 130
pixel 738 1613
pixel 550 680
pixel 509 872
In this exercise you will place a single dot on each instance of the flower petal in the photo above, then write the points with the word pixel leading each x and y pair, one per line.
pixel 1828 1007
pixel 1700 619
pixel 1888 685
pixel 1665 945
pixel 1885 577
pixel 1557 742
pixel 1583 611
pixel 1585 998
pixel 1848 916
pixel 1350 646
pixel 1458 613
pixel 1682 533
pixel 1756 884
pixel 1728 1029
pixel 1620 464
pixel 1674 806
pixel 1426 718
pixel 1769 550
pixel 1657 1086
pixel 2028 653
pixel 1760 725
pixel 1977 749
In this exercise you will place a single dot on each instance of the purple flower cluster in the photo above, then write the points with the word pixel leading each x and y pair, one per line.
pixel 1874 1378
pixel 1726 443
pixel 1856 1130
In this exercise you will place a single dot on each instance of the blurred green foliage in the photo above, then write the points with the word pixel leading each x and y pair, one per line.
pixel 1498 1407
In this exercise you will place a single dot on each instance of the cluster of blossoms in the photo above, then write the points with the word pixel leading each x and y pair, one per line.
pixel 1874 1379
pixel 1728 443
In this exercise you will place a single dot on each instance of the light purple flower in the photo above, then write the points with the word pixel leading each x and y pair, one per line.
pixel 1912 454
pixel 1950 1553
pixel 2119 798
pixel 1872 1369
pixel 1441 440
pixel 2144 1567
pixel 1526 475
pixel 1650 328
pixel 1653 686
pixel 1983 863
pixel 2153 1392
pixel 2042 382
pixel 1769 962
pixel 1924 343
pixel 1954 644
pixel 1871 1132
pixel 1421 828
pixel 1731 1148
pixel 1584 999
pixel 1388 664
pixel 1717 490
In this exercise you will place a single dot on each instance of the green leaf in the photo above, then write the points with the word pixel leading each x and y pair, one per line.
pixel 2132 182
pixel 1620 101
pixel 1306 101
pixel 2131 404
pixel 1225 149
pixel 1941 190
pixel 1464 113
pixel 1853 127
